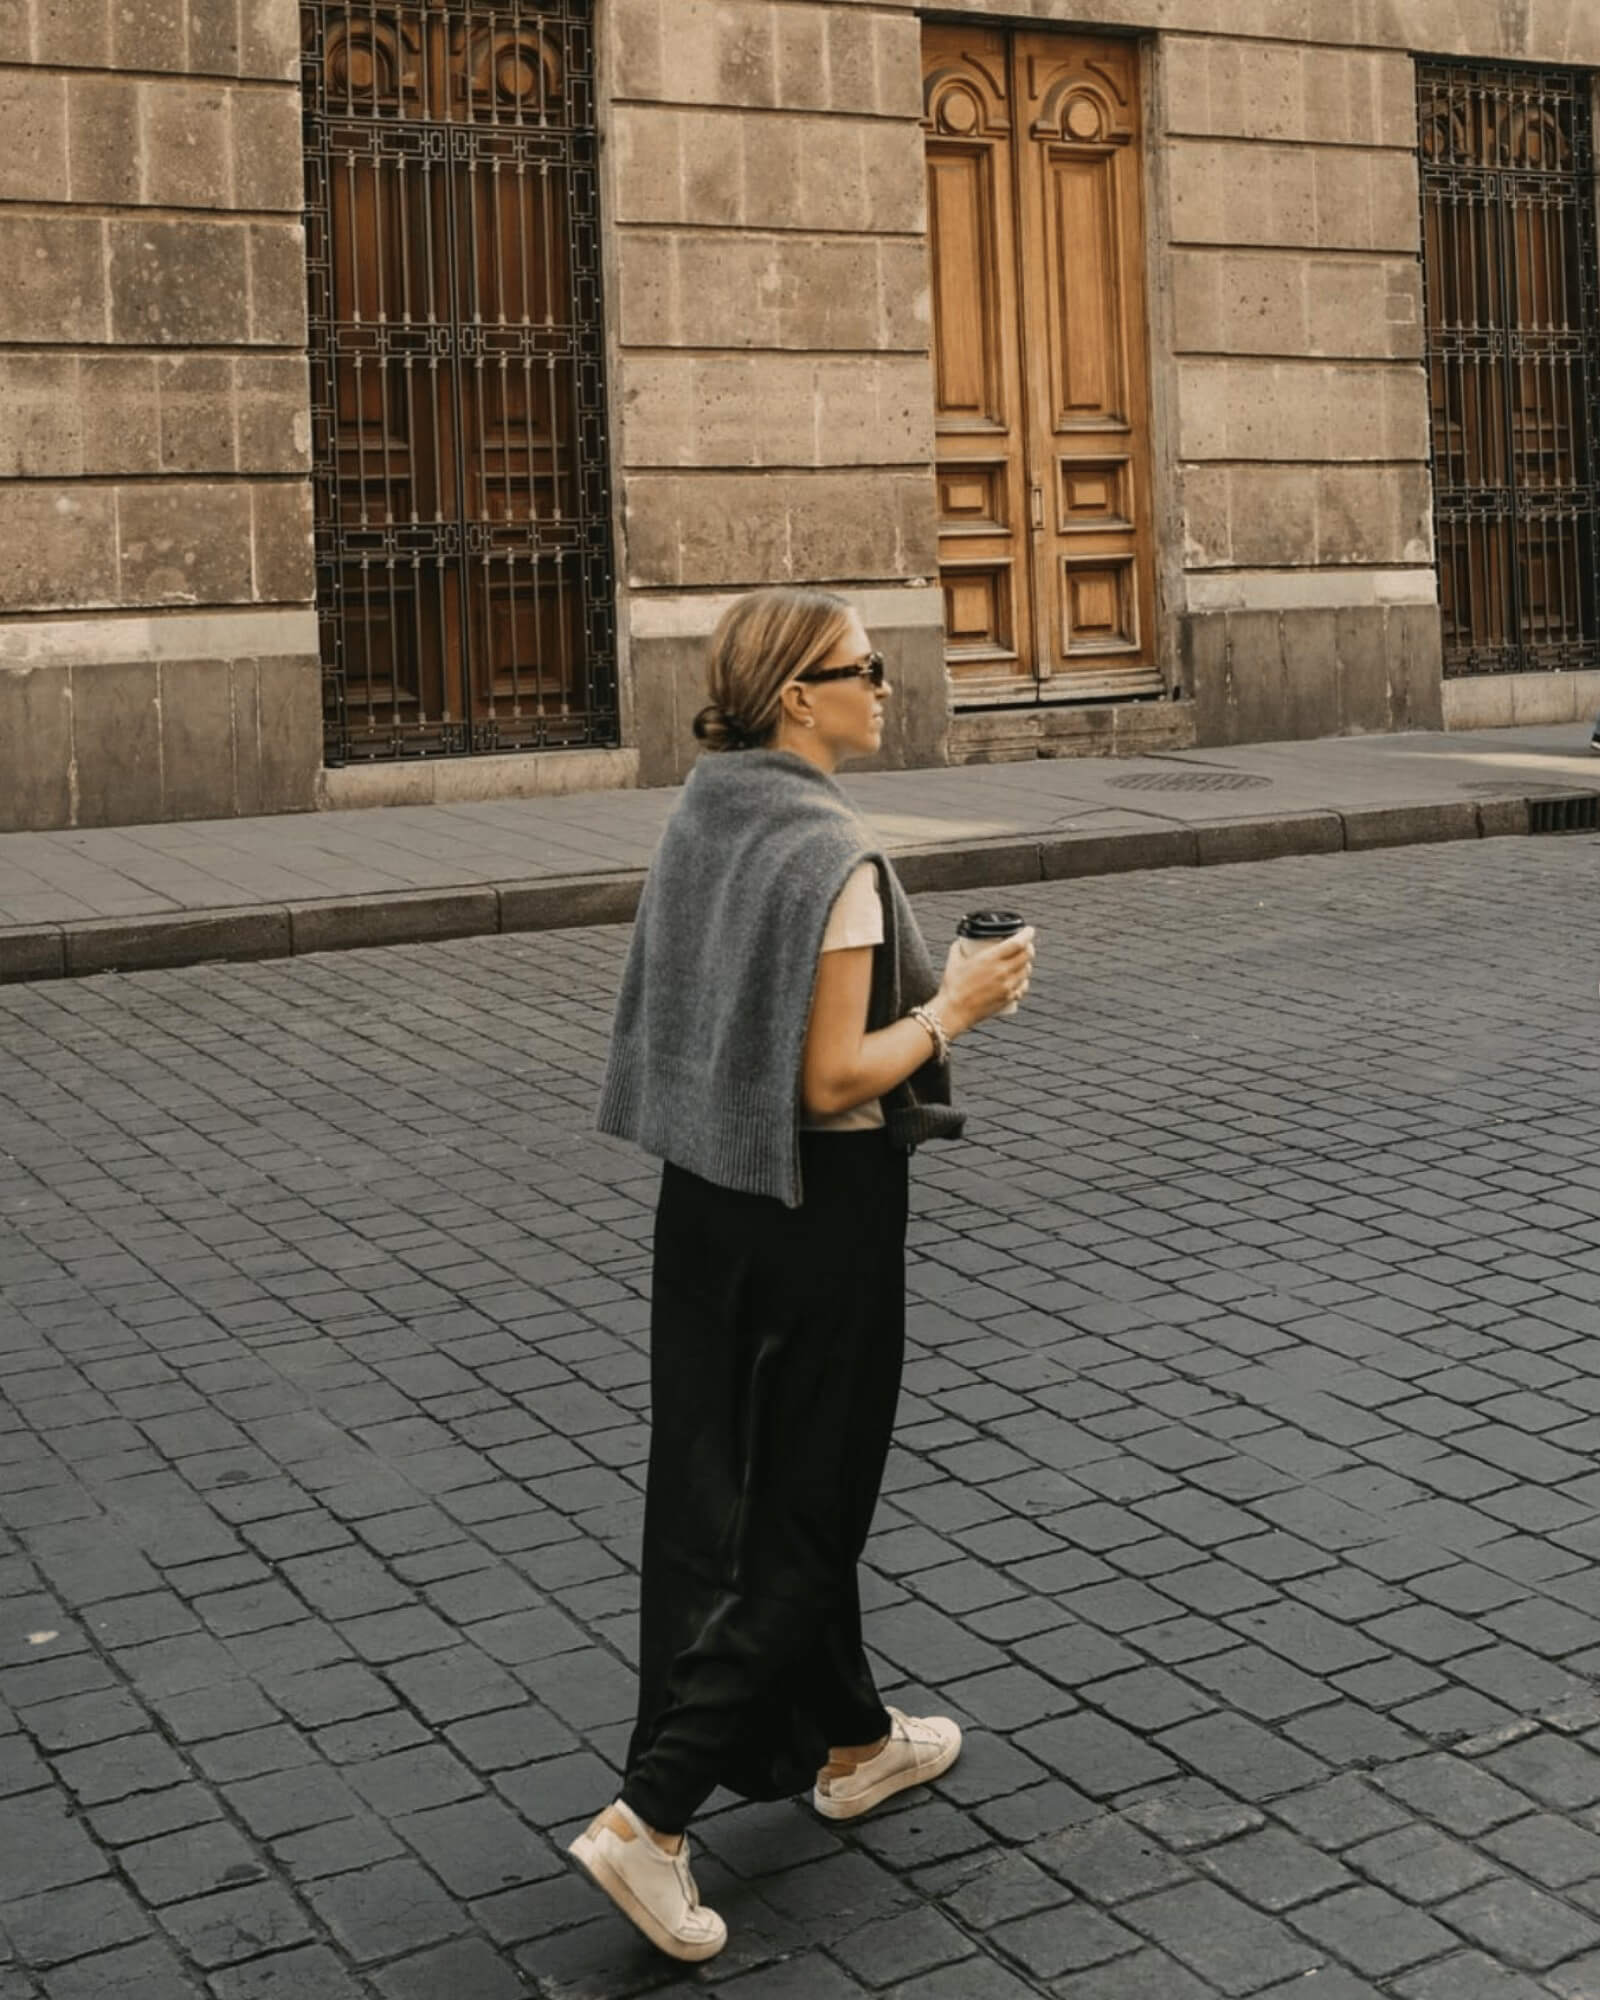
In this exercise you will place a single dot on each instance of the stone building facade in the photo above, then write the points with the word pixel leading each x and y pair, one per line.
pixel 825 274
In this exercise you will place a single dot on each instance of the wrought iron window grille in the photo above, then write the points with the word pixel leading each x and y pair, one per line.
pixel 465 581
pixel 1511 276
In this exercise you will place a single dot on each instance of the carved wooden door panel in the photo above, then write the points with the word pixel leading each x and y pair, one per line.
pixel 1040 361
pixel 981 474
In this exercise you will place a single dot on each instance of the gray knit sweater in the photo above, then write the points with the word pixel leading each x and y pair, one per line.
pixel 711 1021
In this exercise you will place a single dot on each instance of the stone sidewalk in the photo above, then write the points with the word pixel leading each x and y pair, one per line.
pixel 1243 1503
pixel 122 899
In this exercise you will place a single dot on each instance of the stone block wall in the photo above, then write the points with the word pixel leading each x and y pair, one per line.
pixel 773 398
pixel 157 647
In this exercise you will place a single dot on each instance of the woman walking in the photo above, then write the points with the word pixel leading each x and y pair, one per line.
pixel 781 1042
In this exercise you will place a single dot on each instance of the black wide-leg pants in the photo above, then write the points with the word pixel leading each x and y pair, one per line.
pixel 777 1338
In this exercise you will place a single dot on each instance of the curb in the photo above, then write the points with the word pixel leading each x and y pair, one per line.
pixel 430 916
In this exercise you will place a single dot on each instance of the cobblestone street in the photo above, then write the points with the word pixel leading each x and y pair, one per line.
pixel 1243 1508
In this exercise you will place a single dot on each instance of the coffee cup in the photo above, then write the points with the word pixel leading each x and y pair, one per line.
pixel 979 929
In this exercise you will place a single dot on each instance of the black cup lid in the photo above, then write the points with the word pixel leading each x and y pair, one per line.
pixel 991 924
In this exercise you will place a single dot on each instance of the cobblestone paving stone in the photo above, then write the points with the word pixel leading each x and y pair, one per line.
pixel 1243 1506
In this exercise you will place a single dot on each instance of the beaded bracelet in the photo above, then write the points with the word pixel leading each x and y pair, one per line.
pixel 926 1018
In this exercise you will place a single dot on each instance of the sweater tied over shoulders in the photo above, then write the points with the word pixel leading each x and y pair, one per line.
pixel 709 1037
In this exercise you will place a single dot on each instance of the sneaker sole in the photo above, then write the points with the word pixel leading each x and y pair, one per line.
pixel 885 1788
pixel 601 1873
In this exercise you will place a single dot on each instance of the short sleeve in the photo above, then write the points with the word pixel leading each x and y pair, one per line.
pixel 857 915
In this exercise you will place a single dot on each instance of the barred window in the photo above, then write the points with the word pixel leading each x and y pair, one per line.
pixel 1513 346
pixel 463 513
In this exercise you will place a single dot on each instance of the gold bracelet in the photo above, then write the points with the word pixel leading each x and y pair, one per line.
pixel 926 1018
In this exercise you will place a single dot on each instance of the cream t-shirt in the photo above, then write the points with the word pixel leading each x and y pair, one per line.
pixel 856 919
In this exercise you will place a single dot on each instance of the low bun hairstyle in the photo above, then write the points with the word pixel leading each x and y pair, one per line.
pixel 761 643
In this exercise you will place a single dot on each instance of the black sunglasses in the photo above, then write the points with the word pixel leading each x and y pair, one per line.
pixel 869 669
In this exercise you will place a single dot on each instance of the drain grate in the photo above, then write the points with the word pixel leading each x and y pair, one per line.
pixel 1579 813
pixel 1188 781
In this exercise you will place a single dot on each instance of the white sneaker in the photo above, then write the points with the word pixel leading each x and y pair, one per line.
pixel 919 1749
pixel 651 1888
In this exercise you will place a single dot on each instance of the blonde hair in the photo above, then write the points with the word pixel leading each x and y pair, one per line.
pixel 761 644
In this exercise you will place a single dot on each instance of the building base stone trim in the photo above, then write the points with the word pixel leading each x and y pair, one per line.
pixel 1291 676
pixel 437 781
pixel 1075 729
pixel 135 742
pixel 1510 701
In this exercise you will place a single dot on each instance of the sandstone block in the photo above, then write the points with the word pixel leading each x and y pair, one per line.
pixel 1366 200
pixel 185 542
pixel 35 748
pixel 289 733
pixel 283 558
pixel 1272 514
pixel 778 409
pixel 649 155
pixel 896 40
pixel 719 53
pixel 197 773
pixel 1258 676
pixel 802 61
pixel 188 145
pixel 1276 90
pixel 269 40
pixel 149 34
pixel 1565 31
pixel 277 283
pixel 103 139
pixel 1241 302
pixel 33 116
pixel 117 743
pixel 121 414
pixel 739 529
pixel 197 413
pixel 1416 666
pixel 1361 639
pixel 1311 656
pixel 57 547
pixel 54 286
pixel 636 52
pixel 1358 308
pixel 176 284
pixel 1223 192
pixel 1373 514
pixel 16 38
pixel 1248 409
pixel 41 417
pixel 1207 517
pixel 273 406
pixel 71 32
pixel 214 36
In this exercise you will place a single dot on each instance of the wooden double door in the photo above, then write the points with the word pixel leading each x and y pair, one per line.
pixel 1036 225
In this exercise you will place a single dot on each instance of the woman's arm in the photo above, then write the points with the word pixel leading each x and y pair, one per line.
pixel 845 1066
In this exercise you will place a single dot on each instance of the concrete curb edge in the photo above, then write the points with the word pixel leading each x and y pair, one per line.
pixel 427 916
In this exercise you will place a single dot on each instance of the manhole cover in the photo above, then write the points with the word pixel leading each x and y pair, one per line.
pixel 1189 781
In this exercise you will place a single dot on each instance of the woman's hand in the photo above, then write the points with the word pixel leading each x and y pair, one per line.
pixel 980 984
